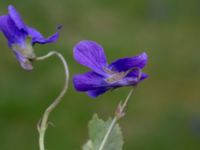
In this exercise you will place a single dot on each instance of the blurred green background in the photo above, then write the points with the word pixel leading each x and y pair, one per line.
pixel 164 112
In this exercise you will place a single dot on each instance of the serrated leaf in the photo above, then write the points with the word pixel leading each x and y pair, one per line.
pixel 97 131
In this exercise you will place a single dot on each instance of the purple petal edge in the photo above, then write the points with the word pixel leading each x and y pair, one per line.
pixel 97 92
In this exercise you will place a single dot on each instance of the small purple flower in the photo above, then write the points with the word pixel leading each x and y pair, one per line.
pixel 21 37
pixel 104 76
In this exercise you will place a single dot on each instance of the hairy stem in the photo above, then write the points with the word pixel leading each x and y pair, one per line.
pixel 118 115
pixel 43 123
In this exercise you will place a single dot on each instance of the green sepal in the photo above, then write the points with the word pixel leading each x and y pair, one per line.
pixel 26 50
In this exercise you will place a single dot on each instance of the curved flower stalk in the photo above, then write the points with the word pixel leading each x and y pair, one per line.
pixel 43 124
pixel 104 76
pixel 21 37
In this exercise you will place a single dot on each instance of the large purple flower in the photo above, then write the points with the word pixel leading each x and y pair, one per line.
pixel 104 76
pixel 21 37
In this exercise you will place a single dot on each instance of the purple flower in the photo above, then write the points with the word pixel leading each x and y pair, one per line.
pixel 21 37
pixel 104 76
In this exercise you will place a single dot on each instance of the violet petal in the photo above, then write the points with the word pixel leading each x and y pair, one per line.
pixel 37 37
pixel 97 92
pixel 144 76
pixel 11 31
pixel 130 80
pixel 15 16
pixel 91 54
pixel 127 81
pixel 125 64
pixel 88 81
pixel 135 74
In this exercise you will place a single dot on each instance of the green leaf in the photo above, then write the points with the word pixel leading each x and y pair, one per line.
pixel 88 145
pixel 97 131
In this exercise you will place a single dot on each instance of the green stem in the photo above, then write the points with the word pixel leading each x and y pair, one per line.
pixel 108 133
pixel 118 115
pixel 43 124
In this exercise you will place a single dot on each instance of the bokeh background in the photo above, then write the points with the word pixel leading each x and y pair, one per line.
pixel 164 112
